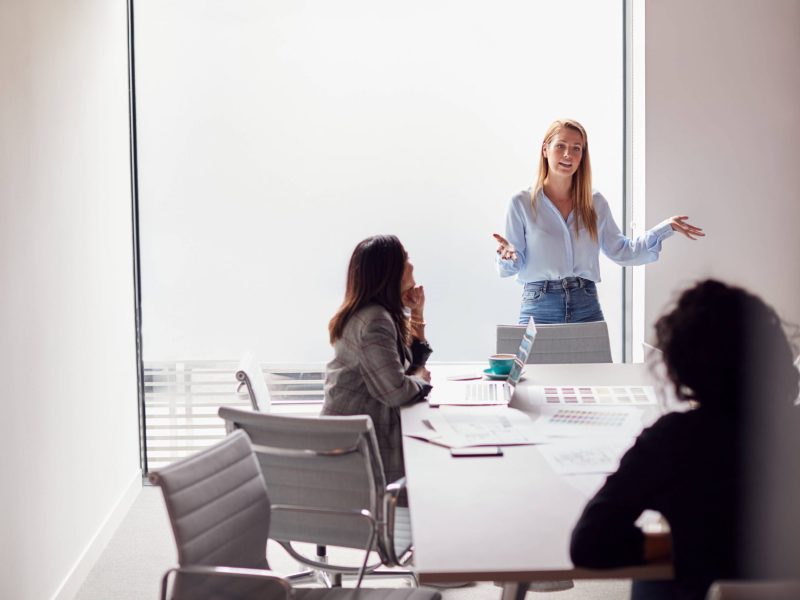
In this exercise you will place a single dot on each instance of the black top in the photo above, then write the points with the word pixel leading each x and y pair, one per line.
pixel 686 466
pixel 420 351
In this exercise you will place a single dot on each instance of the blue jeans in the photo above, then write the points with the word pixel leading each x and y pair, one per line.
pixel 568 300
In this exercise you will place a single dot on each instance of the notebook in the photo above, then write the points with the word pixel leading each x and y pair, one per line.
pixel 487 392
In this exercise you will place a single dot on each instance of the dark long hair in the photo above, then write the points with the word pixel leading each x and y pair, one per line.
pixel 374 276
pixel 724 346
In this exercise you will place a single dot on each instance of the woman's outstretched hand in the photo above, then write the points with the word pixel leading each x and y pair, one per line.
pixel 679 224
pixel 506 249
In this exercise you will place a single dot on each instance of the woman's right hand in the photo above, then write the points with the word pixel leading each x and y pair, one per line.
pixel 506 249
pixel 414 298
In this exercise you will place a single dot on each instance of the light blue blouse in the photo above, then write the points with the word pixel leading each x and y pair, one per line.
pixel 548 247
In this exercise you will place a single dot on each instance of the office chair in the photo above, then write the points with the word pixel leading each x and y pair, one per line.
pixel 219 510
pixel 566 343
pixel 249 375
pixel 324 474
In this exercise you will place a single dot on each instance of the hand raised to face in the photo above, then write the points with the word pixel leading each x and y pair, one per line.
pixel 414 298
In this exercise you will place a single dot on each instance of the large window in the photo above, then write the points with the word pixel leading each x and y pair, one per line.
pixel 273 136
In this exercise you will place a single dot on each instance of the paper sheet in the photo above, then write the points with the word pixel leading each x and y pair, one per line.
pixel 594 395
pixel 459 430
pixel 580 421
pixel 469 393
pixel 490 426
pixel 577 457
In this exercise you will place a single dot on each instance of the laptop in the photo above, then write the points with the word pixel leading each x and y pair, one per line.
pixel 487 392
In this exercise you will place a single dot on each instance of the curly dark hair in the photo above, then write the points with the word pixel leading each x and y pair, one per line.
pixel 723 346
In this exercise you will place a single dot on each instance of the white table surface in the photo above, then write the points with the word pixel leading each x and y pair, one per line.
pixel 505 518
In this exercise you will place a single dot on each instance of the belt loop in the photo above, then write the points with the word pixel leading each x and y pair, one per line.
pixel 581 282
pixel 544 287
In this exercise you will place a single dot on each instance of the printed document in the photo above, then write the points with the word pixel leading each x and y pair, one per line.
pixel 578 457
pixel 483 427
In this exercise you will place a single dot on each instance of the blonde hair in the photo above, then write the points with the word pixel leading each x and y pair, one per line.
pixel 581 180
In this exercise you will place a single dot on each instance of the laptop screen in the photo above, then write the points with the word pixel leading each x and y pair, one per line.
pixel 523 351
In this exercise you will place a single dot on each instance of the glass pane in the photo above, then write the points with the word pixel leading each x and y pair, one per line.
pixel 273 136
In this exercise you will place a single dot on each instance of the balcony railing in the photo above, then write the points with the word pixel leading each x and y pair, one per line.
pixel 182 399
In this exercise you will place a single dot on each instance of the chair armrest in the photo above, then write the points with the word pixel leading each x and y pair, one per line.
pixel 361 514
pixel 390 496
pixel 215 571
pixel 396 487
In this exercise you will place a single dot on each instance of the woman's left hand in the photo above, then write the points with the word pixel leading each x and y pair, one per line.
pixel 414 298
pixel 423 373
pixel 679 224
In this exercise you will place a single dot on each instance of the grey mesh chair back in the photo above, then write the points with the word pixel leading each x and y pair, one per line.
pixel 250 376
pixel 567 343
pixel 325 480
pixel 219 509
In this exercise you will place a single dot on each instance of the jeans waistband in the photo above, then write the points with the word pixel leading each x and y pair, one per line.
pixel 568 283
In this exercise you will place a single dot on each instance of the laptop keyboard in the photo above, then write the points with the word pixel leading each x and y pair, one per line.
pixel 480 392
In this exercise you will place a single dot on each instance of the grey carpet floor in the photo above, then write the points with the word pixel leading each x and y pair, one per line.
pixel 142 548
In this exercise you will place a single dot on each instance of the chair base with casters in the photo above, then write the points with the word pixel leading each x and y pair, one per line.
pixel 321 574
pixel 326 481
pixel 220 514
pixel 317 576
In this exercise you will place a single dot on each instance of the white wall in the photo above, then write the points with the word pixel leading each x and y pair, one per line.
pixel 723 145
pixel 68 442
pixel 274 136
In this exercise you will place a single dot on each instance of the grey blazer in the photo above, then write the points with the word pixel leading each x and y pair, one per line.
pixel 368 376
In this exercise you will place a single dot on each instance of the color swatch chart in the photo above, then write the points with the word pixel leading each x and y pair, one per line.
pixel 618 394
pixel 588 417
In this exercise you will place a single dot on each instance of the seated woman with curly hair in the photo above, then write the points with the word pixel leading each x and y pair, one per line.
pixel 726 350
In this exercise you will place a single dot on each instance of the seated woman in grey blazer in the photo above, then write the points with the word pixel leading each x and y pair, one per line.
pixel 378 338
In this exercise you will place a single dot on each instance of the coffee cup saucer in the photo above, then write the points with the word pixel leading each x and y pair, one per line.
pixel 492 375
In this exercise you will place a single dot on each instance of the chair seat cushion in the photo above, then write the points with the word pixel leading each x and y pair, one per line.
pixel 366 594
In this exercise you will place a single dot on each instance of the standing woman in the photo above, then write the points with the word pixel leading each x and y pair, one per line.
pixel 380 351
pixel 555 231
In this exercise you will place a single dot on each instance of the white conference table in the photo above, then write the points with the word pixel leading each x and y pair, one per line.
pixel 506 518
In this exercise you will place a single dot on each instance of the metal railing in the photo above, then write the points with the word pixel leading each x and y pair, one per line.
pixel 182 399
